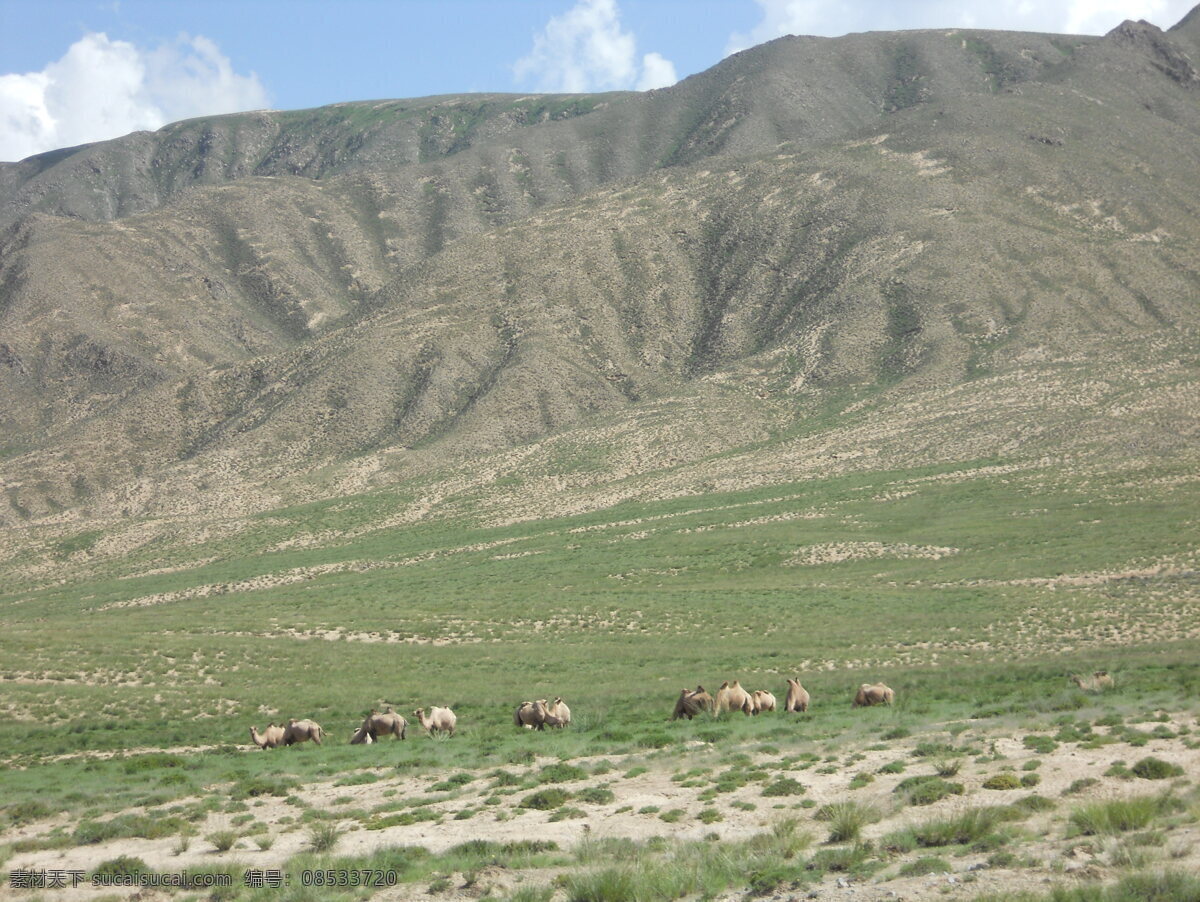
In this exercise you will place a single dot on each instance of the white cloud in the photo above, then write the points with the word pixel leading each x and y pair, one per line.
pixel 101 89
pixel 837 17
pixel 657 72
pixel 586 49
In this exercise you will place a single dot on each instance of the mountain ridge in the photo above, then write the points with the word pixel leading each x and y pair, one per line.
pixel 926 209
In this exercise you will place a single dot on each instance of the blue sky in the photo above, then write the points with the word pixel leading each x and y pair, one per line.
pixel 73 71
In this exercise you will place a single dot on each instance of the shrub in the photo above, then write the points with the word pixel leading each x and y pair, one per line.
pixel 1156 769
pixel 895 767
pixel 672 816
pixel 322 837
pixel 153 761
pixel 1120 815
pixel 596 795
pixel 773 877
pixel 968 827
pixel 452 783
pixel 1043 745
pixel 784 786
pixel 223 840
pixel 32 810
pixel 710 816
pixel 933 750
pixel 545 799
pixel 1002 781
pixel 855 858
pixel 608 885
pixel 1033 803
pixel 925 790
pixel 561 773
pixel 846 819
pixel 861 779
pixel 262 786
pixel 1031 780
pixel 947 767
pixel 923 866
pixel 121 866
pixel 1080 785
pixel 126 825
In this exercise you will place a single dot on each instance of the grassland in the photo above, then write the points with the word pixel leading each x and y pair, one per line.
pixel 130 679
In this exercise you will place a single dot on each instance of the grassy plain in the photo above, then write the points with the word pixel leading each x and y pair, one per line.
pixel 973 590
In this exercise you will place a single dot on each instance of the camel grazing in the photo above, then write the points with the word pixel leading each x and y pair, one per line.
pixel 763 701
pixel 439 720
pixel 873 694
pixel 389 723
pixel 531 715
pixel 270 738
pixel 732 697
pixel 302 731
pixel 361 736
pixel 1099 681
pixel 797 697
pixel 692 702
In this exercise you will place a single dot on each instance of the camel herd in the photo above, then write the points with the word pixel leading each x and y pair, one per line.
pixel 539 714
pixel 732 697
pixel 439 721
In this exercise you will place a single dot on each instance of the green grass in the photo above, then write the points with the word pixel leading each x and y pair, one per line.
pixel 1121 815
pixel 78 676
pixel 846 819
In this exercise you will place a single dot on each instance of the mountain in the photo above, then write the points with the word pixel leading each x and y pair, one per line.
pixel 882 250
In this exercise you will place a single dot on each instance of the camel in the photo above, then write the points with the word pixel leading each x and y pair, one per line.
pixel 302 731
pixel 873 694
pixel 531 715
pixel 439 720
pixel 389 723
pixel 558 714
pixel 692 702
pixel 1099 681
pixel 362 736
pixel 797 697
pixel 732 697
pixel 270 738
pixel 763 701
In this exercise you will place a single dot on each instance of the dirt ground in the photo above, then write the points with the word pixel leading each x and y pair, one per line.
pixel 1047 855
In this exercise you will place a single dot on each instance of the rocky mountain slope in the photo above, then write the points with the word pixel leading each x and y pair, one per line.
pixel 889 248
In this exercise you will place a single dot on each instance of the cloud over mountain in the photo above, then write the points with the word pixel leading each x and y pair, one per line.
pixel 102 88
pixel 587 49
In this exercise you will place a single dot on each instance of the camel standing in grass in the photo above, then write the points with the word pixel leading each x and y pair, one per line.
pixel 558 714
pixel 763 701
pixel 692 702
pixel 439 720
pixel 531 715
pixel 873 694
pixel 270 738
pixel 732 697
pixel 361 736
pixel 389 723
pixel 797 697
pixel 302 731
